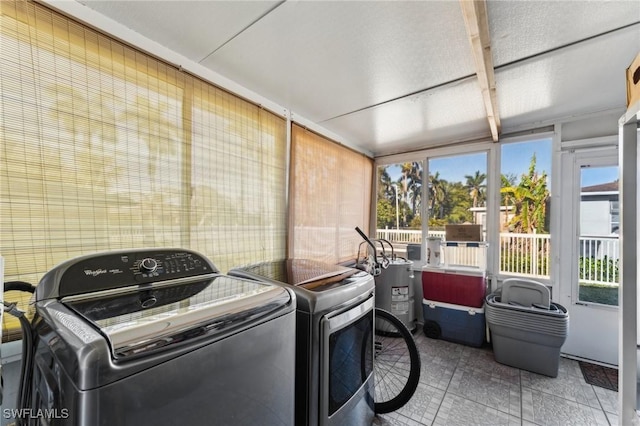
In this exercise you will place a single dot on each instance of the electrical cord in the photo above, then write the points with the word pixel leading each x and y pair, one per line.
pixel 27 356
pixel 24 390
pixel 12 308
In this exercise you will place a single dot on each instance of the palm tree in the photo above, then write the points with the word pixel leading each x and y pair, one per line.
pixel 476 186
pixel 437 195
pixel 413 186
pixel 403 180
pixel 530 198
pixel 385 188
pixel 507 181
pixel 405 171
pixel 410 182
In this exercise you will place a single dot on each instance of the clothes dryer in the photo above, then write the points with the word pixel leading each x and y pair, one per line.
pixel 334 332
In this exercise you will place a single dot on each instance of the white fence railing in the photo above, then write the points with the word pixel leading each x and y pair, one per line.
pixel 409 236
pixel 599 259
pixel 528 254
pixel 525 254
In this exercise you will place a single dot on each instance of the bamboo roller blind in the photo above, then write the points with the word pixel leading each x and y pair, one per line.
pixel 104 147
pixel 330 196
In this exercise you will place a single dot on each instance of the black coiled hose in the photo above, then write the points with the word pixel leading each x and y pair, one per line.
pixel 24 390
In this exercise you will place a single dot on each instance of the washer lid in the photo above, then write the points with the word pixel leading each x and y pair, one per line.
pixel 139 320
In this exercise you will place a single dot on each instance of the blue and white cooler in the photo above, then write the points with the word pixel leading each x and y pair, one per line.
pixel 454 323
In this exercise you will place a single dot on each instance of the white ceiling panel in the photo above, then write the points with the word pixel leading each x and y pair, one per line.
pixel 192 28
pixel 390 76
pixel 432 118
pixel 324 59
pixel 585 78
pixel 520 29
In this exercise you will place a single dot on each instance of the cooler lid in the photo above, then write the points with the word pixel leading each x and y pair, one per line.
pixel 138 320
pixel 471 271
pixel 469 309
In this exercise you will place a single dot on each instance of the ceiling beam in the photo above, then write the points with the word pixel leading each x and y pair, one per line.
pixel 477 23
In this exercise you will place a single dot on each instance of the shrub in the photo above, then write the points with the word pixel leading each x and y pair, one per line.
pixel 605 269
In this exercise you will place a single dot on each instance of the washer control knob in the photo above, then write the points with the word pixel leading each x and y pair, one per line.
pixel 148 265
pixel 148 302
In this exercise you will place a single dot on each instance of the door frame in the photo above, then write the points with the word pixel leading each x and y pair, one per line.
pixel 593 329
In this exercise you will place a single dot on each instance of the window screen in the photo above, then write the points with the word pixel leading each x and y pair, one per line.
pixel 104 147
pixel 330 196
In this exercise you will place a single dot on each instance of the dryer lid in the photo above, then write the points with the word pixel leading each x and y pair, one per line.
pixel 310 274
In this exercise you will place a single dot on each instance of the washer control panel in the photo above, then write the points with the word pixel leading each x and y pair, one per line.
pixel 110 270
pixel 174 265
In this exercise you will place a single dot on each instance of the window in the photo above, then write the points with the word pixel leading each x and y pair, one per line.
pixel 399 205
pixel 457 196
pixel 614 211
pixel 238 175
pixel 104 147
pixel 457 191
pixel 525 195
pixel 598 244
pixel 330 196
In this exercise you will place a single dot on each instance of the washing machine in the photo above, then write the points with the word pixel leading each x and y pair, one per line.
pixel 160 337
pixel 334 332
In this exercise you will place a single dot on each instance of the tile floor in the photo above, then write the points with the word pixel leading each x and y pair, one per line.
pixel 461 385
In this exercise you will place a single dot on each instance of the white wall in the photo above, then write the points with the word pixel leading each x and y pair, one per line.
pixel 595 218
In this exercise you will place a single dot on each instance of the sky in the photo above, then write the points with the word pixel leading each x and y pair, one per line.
pixel 515 160
pixel 594 176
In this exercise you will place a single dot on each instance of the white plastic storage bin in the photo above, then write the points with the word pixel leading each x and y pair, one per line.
pixel 464 254
pixel 527 330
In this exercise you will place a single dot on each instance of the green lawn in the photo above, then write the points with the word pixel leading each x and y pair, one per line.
pixel 598 293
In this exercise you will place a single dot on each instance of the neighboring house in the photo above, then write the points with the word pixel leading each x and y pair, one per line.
pixel 599 211
pixel 599 221
pixel 480 217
